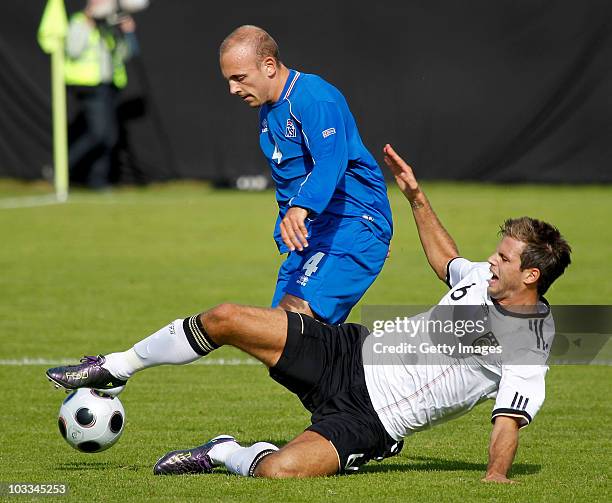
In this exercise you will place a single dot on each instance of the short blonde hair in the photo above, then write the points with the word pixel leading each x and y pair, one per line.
pixel 265 46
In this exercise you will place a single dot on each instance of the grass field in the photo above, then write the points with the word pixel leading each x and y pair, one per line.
pixel 99 273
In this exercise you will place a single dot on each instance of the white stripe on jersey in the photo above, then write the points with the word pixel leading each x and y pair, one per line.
pixel 297 75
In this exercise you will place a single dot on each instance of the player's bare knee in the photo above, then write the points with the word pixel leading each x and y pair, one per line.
pixel 277 466
pixel 217 320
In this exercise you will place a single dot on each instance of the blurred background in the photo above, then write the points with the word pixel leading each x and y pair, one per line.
pixel 505 91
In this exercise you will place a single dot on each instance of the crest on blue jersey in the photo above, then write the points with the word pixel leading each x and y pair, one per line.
pixel 290 131
pixel 264 126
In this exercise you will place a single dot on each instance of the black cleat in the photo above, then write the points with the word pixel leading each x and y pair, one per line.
pixel 89 374
pixel 194 460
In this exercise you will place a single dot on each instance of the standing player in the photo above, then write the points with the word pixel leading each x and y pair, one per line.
pixel 334 216
pixel 363 407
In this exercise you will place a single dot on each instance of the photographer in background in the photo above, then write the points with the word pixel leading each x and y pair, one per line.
pixel 99 41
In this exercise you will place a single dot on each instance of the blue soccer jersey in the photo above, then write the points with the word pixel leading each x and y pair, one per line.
pixel 318 160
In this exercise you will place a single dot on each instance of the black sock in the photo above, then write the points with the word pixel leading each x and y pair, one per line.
pixel 199 340
pixel 257 459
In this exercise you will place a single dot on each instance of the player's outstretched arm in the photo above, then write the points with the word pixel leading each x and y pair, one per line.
pixel 502 448
pixel 437 243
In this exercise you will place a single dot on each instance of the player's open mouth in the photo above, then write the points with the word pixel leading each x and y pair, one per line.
pixel 494 279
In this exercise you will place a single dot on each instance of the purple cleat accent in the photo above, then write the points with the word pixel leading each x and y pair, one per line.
pixel 89 374
pixel 194 460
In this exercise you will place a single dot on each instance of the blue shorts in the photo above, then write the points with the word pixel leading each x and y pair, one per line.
pixel 343 258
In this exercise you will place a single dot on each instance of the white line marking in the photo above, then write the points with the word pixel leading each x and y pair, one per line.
pixel 28 202
pixel 93 199
pixel 110 199
pixel 56 362
pixel 26 361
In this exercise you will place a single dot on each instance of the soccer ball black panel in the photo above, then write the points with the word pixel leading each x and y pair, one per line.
pixel 61 423
pixel 116 422
pixel 85 417
pixel 89 446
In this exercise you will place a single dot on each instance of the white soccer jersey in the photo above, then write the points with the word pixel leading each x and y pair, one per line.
pixel 411 395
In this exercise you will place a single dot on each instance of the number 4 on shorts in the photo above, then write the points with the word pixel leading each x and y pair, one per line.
pixel 310 266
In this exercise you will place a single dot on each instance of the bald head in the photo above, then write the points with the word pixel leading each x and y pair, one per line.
pixel 251 38
pixel 250 63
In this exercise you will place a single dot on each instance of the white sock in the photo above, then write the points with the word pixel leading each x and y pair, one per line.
pixel 220 452
pixel 123 365
pixel 241 460
pixel 167 346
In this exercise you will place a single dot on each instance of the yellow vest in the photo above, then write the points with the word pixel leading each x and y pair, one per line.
pixel 85 70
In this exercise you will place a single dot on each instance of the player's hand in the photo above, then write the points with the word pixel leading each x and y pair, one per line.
pixel 293 230
pixel 499 478
pixel 404 176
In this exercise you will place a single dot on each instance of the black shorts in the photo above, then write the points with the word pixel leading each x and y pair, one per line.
pixel 322 365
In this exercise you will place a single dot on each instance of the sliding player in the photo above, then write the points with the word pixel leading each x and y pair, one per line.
pixel 362 407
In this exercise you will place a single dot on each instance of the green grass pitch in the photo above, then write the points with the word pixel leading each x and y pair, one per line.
pixel 103 271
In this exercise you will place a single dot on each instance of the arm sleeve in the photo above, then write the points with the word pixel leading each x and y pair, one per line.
pixel 324 132
pixel 521 392
pixel 457 269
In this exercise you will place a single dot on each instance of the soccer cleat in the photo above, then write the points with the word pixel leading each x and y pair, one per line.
pixel 194 460
pixel 89 374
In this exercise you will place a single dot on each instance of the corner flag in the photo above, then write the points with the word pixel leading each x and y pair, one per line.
pixel 51 35
pixel 53 26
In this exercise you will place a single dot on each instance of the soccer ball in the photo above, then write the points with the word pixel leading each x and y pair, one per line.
pixel 91 421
